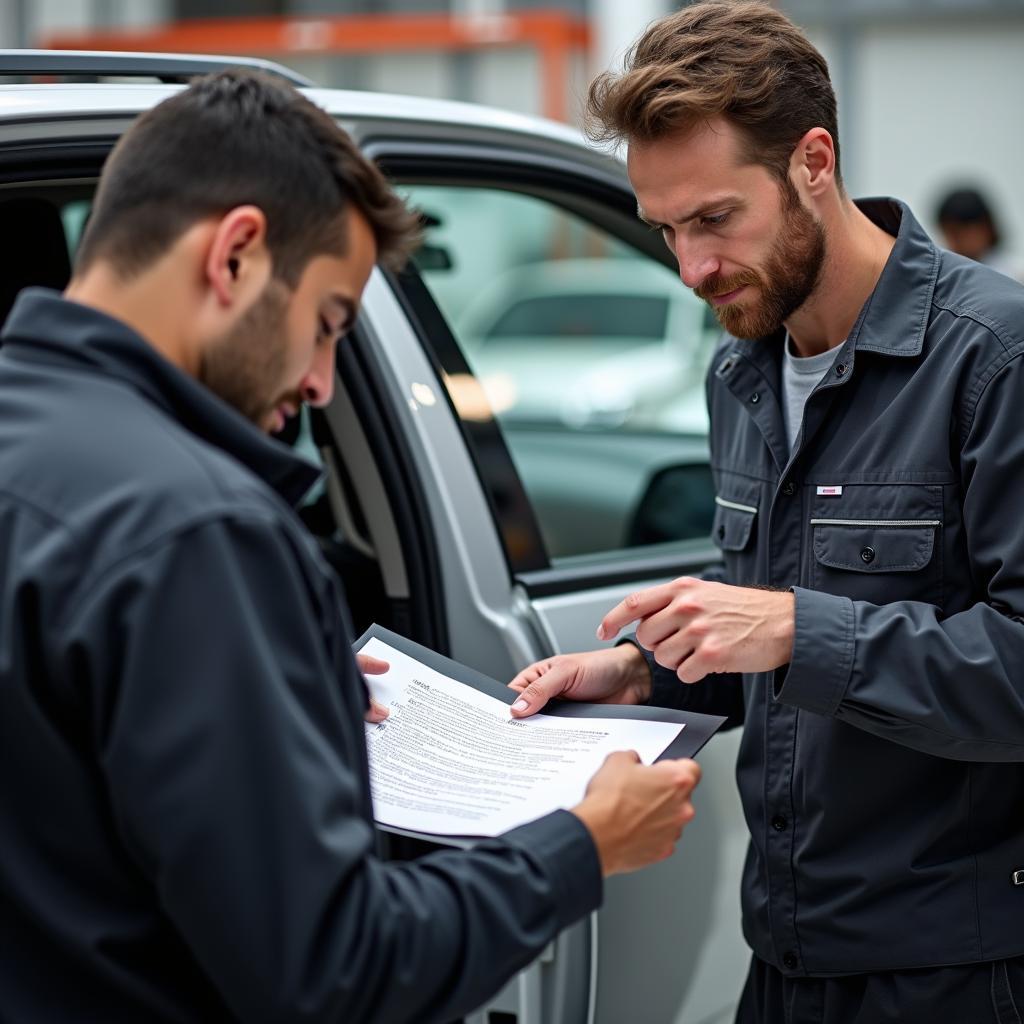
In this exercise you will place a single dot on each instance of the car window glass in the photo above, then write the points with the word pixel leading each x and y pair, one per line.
pixel 633 319
pixel 74 216
pixel 590 356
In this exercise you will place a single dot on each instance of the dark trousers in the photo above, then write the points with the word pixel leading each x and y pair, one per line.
pixel 989 993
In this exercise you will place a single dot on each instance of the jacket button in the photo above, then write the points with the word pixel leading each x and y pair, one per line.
pixel 755 397
pixel 779 823
pixel 789 961
pixel 790 489
pixel 840 369
pixel 868 555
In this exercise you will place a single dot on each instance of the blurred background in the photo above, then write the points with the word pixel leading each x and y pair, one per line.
pixel 929 90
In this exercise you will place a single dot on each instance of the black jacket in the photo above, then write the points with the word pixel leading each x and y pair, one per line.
pixel 185 821
pixel 880 772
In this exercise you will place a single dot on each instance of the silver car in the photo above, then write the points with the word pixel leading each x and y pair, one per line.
pixel 493 538
pixel 590 342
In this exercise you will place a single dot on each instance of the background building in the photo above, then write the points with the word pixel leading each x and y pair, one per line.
pixel 929 90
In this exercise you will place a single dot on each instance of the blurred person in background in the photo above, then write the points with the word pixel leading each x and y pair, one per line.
pixel 185 807
pixel 866 625
pixel 969 227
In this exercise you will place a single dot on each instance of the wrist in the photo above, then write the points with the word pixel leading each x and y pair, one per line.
pixel 637 682
pixel 596 816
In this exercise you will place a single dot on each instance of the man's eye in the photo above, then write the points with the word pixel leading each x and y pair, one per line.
pixel 715 220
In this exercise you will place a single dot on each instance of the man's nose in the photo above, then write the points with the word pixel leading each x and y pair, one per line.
pixel 696 265
pixel 318 385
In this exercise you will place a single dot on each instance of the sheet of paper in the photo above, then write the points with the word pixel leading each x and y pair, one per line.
pixel 451 760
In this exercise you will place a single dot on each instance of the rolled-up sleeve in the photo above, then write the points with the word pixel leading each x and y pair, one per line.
pixel 227 729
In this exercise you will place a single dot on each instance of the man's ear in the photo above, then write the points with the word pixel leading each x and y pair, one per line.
pixel 813 163
pixel 237 262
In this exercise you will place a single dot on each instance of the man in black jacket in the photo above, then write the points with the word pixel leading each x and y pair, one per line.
pixel 867 627
pixel 185 810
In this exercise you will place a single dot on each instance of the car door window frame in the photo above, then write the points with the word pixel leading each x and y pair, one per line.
pixel 606 202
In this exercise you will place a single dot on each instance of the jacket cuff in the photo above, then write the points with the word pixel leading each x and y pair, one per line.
pixel 563 847
pixel 666 688
pixel 823 643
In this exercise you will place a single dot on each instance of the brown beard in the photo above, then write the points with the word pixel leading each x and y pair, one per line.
pixel 246 367
pixel 789 276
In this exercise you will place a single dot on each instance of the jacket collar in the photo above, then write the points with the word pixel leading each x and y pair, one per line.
pixel 47 328
pixel 894 318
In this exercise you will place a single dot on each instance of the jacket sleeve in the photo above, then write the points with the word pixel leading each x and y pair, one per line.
pixel 231 743
pixel 951 686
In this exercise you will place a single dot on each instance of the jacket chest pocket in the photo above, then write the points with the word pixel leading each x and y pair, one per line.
pixel 733 532
pixel 877 560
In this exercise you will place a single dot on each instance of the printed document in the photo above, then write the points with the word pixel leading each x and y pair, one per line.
pixel 451 760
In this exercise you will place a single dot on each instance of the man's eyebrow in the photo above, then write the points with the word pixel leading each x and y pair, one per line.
pixel 699 211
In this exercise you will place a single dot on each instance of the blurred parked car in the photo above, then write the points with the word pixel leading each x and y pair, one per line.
pixel 450 518
pixel 589 343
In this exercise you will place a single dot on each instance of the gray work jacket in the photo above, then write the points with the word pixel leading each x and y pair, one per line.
pixel 880 770
pixel 185 822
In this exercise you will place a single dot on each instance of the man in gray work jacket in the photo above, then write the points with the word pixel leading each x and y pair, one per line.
pixel 186 830
pixel 867 445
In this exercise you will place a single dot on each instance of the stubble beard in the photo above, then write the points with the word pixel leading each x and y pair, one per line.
pixel 788 278
pixel 246 367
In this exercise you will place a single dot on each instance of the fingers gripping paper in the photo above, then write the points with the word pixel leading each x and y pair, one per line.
pixel 450 760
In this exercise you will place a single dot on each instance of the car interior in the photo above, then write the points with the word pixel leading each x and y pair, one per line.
pixel 40 256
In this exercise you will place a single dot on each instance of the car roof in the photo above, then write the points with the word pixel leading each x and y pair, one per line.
pixel 32 102
pixel 134 97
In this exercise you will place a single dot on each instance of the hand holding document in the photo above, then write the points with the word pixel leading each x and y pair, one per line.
pixel 450 759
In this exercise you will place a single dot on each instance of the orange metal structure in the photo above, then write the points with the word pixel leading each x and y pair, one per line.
pixel 554 35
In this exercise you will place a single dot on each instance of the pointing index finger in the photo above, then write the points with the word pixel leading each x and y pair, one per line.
pixel 635 606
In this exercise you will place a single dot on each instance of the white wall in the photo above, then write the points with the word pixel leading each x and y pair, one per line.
pixel 617 23
pixel 925 106
pixel 942 106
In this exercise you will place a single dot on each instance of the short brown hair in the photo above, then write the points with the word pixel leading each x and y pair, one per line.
pixel 230 139
pixel 740 60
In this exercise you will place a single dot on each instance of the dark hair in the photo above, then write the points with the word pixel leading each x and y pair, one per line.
pixel 234 138
pixel 967 206
pixel 736 59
